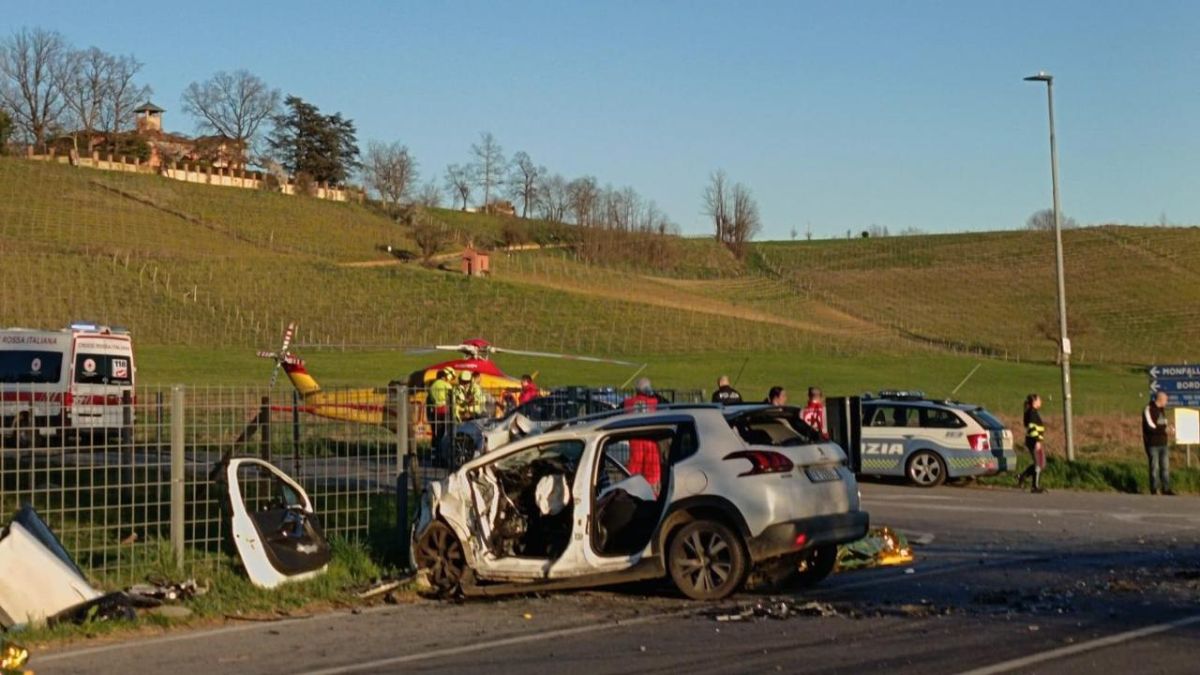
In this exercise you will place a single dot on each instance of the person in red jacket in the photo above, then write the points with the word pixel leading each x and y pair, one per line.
pixel 644 457
pixel 529 390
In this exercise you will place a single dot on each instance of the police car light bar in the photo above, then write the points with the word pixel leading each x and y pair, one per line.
pixel 902 394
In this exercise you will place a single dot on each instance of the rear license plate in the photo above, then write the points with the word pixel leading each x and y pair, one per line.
pixel 822 474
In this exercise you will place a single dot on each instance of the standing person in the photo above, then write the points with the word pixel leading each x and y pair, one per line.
pixel 529 390
pixel 814 412
pixel 777 396
pixel 1035 436
pixel 439 400
pixel 1155 437
pixel 644 456
pixel 725 393
pixel 468 398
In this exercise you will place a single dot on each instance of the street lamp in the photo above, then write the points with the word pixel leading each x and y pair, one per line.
pixel 1065 342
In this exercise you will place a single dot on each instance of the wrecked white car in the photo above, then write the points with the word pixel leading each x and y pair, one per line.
pixel 700 494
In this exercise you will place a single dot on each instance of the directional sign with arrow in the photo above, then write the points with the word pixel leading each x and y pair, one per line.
pixel 1181 383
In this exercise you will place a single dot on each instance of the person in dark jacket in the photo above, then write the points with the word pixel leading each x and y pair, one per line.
pixel 725 393
pixel 1156 438
pixel 777 396
pixel 1035 436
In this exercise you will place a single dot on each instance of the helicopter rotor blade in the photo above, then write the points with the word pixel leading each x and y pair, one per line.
pixel 568 357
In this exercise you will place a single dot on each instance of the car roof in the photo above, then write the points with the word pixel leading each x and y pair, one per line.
pixel 923 403
pixel 675 411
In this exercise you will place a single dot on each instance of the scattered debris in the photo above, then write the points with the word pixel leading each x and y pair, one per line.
pixel 882 547
pixel 381 588
pixel 109 607
pixel 40 580
pixel 171 612
pixel 158 593
pixel 272 524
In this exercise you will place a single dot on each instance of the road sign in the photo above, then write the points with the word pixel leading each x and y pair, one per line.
pixel 1176 386
pixel 1178 372
pixel 1180 382
pixel 1187 426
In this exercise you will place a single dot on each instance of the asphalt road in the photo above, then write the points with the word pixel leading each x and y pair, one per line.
pixel 1004 581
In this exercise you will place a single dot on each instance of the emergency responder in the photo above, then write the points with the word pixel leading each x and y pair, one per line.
pixel 438 402
pixel 814 413
pixel 1035 437
pixel 644 456
pixel 468 398
pixel 725 393
pixel 777 396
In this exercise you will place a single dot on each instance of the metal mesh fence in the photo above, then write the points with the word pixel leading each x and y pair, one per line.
pixel 127 482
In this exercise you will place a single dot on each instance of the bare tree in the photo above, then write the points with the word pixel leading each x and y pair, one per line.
pixel 1044 221
pixel 231 104
pixel 390 170
pixel 745 223
pixel 99 92
pixel 459 182
pixel 524 181
pixel 430 234
pixel 430 196
pixel 553 198
pixel 583 196
pixel 123 94
pixel 83 78
pixel 794 233
pixel 734 212
pixel 31 67
pixel 716 204
pixel 489 165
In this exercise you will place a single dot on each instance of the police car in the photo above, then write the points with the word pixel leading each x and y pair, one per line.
pixel 927 441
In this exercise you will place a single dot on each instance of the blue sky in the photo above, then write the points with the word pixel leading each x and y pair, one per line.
pixel 837 114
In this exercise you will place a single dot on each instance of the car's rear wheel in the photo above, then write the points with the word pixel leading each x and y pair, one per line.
pixel 926 469
pixel 440 554
pixel 707 560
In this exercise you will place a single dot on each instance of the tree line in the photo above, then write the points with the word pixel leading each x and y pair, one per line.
pixel 51 91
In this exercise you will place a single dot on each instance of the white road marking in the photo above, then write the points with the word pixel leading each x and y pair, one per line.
pixel 493 644
pixel 1090 645
pixel 194 635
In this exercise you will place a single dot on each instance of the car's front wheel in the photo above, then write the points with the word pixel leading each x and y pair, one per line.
pixel 926 469
pixel 440 554
pixel 707 560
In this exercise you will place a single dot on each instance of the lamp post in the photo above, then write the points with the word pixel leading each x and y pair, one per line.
pixel 1064 345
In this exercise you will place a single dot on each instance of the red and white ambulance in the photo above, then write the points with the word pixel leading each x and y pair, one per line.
pixel 77 379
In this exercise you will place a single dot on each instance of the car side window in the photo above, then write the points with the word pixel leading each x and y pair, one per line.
pixel 937 418
pixel 894 416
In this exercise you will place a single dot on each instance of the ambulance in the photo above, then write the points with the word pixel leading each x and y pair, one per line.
pixel 67 383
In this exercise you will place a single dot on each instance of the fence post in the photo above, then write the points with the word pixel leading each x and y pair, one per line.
pixel 402 451
pixel 264 428
pixel 177 473
pixel 295 434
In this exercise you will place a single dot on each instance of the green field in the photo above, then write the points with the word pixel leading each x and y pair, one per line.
pixel 204 276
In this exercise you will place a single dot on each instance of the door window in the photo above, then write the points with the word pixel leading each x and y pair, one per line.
pixel 103 369
pixel 938 418
pixel 892 416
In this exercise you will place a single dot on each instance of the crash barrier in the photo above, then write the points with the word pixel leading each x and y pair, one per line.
pixel 128 483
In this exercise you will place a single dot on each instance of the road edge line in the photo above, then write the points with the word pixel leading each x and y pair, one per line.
pixel 1079 648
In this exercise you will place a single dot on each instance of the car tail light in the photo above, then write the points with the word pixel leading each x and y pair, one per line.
pixel 980 442
pixel 762 461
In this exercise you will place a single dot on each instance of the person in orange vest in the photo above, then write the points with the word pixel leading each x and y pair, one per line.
pixel 644 456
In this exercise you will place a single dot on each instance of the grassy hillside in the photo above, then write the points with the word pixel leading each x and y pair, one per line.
pixel 1134 293
pixel 184 264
